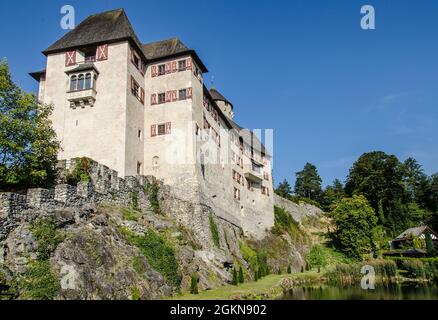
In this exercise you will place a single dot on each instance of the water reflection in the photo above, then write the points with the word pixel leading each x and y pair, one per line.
pixel 388 292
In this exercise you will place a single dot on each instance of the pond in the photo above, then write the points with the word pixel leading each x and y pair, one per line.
pixel 382 292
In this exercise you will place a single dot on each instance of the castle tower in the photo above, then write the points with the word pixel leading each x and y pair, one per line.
pixel 223 103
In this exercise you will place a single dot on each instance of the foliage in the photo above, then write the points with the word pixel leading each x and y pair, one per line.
pixel 380 178
pixel 47 236
pixel 355 221
pixel 130 214
pixel 214 231
pixel 134 200
pixel 81 171
pixel 308 182
pixel 235 280
pixel 160 255
pixel 153 197
pixel 241 278
pixel 135 293
pixel 347 274
pixel 38 282
pixel 332 195
pixel 289 269
pixel 284 189
pixel 285 223
pixel 431 250
pixel 138 265
pixel 316 258
pixel 194 284
pixel 28 144
pixel 256 259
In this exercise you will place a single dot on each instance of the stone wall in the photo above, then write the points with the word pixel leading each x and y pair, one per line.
pixel 104 186
pixel 298 211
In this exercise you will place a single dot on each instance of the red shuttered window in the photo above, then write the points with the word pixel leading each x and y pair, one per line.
pixel 102 52
pixel 153 130
pixel 153 99
pixel 70 58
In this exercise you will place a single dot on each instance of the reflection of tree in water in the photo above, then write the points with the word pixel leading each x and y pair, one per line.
pixel 389 292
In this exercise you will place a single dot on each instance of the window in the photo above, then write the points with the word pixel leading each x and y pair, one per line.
pixel 236 194
pixel 80 82
pixel 183 94
pixel 161 69
pixel 73 83
pixel 88 81
pixel 265 191
pixel 138 167
pixel 161 129
pixel 182 65
pixel 136 90
pixel 139 134
pixel 161 98
pixel 90 56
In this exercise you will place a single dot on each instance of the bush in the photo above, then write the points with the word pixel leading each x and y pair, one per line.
pixel 39 282
pixel 47 236
pixel 256 259
pixel 153 197
pixel 316 258
pixel 134 200
pixel 235 280
pixel 160 255
pixel 194 284
pixel 130 214
pixel 214 231
pixel 80 172
pixel 241 277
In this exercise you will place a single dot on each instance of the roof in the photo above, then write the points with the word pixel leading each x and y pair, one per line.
pixel 37 74
pixel 109 26
pixel 416 232
pixel 217 96
pixel 173 47
pixel 83 67
pixel 164 48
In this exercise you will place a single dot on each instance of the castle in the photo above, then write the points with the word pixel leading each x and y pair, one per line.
pixel 143 109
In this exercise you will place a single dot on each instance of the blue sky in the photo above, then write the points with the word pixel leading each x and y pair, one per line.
pixel 330 90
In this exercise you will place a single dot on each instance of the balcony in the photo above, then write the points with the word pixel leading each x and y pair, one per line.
pixel 81 98
pixel 253 173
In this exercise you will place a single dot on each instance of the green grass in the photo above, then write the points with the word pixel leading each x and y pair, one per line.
pixel 131 214
pixel 266 285
pixel 48 237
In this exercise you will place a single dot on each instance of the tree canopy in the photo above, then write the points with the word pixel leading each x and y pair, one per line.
pixel 284 189
pixel 28 145
pixel 355 221
pixel 308 182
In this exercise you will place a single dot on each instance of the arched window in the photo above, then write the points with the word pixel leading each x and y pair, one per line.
pixel 73 83
pixel 81 82
pixel 88 81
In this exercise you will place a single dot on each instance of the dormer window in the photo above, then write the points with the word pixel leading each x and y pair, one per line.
pixel 90 54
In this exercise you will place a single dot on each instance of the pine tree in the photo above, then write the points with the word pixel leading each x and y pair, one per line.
pixel 194 284
pixel 235 280
pixel 241 278
pixel 289 269
pixel 256 278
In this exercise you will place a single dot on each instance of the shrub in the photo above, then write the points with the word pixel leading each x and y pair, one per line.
pixel 256 259
pixel 130 214
pixel 134 200
pixel 160 255
pixel 214 231
pixel 316 258
pixel 194 284
pixel 289 269
pixel 153 197
pixel 80 172
pixel 241 278
pixel 135 293
pixel 47 236
pixel 235 280
pixel 39 282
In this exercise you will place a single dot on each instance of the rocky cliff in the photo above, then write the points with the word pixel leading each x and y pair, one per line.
pixel 141 242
